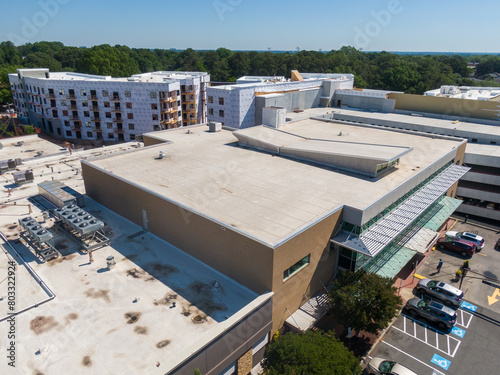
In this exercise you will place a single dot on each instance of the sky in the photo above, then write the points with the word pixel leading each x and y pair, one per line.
pixel 288 25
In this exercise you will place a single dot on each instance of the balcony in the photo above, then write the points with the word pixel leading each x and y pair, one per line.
pixel 73 117
pixel 169 110
pixel 168 99
pixel 189 110
pixel 95 119
pixel 96 129
pixel 118 130
pixel 114 98
pixel 118 120
pixel 76 128
pixel 92 97
pixel 116 110
pixel 94 107
pixel 50 96
pixel 190 99
pixel 71 96
pixel 72 107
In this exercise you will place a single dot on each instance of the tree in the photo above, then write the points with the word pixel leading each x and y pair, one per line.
pixel 364 301
pixel 197 372
pixel 311 353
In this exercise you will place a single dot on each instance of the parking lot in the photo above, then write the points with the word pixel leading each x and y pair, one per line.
pixel 471 347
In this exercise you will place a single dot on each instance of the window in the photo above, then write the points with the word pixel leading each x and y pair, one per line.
pixel 58 131
pixel 221 113
pixel 63 102
pixel 68 133
pixel 88 124
pixel 106 104
pixel 85 103
pixel 221 101
pixel 130 116
pixel 128 105
pixel 89 134
pixel 260 344
pixel 297 267
pixel 109 125
pixel 65 113
pixel 83 92
pixel 155 117
pixel 131 126
pixel 66 123
pixel 132 137
pixel 108 114
pixel 210 99
pixel 127 94
pixel 153 95
pixel 111 136
pixel 105 93
pixel 61 92
pixel 86 114
pixel 154 106
pixel 211 111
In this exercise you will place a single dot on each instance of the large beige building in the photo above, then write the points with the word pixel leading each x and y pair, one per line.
pixel 282 210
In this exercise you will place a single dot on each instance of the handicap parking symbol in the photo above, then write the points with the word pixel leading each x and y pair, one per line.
pixel 458 332
pixel 441 362
pixel 468 306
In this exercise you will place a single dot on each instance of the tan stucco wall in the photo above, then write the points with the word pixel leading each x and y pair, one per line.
pixel 446 106
pixel 298 288
pixel 239 257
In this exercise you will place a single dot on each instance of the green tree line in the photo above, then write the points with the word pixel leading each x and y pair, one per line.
pixel 378 70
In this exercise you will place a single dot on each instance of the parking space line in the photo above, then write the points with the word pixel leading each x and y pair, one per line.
pixel 469 315
pixel 416 359
pixel 450 340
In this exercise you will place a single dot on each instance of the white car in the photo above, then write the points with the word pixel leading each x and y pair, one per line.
pixel 468 236
pixel 379 366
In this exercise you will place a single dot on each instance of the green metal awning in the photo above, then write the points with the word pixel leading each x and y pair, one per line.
pixel 446 206
pixel 392 263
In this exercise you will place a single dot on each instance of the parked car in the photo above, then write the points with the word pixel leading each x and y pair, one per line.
pixel 434 312
pixel 379 366
pixel 446 293
pixel 468 236
pixel 458 245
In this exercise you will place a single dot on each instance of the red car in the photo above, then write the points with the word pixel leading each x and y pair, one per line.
pixel 458 245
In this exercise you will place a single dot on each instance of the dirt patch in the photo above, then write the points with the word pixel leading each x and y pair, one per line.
pixel 101 293
pixel 135 273
pixel 165 300
pixel 200 288
pixel 43 324
pixel 12 226
pixel 162 343
pixel 38 372
pixel 159 269
pixel 186 312
pixel 61 245
pixel 61 259
pixel 199 319
pixel 70 317
pixel 141 330
pixel 86 361
pixel 132 317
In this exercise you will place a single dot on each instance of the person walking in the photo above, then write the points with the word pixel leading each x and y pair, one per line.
pixel 440 264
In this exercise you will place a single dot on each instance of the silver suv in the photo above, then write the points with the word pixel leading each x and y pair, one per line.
pixel 446 293
pixel 430 311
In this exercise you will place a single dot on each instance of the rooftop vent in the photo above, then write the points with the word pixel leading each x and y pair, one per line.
pixel 161 155
pixel 214 127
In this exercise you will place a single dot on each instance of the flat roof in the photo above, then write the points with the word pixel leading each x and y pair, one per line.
pixel 111 321
pixel 265 196
pixel 424 121
pixel 27 147
pixel 483 150
pixel 154 77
